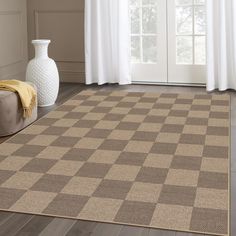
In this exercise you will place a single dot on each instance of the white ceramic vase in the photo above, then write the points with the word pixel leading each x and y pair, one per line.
pixel 43 72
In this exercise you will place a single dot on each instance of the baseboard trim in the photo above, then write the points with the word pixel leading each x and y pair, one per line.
pixel 169 84
pixel 72 76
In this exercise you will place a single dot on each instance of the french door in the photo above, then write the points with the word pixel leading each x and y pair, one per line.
pixel 168 41
pixel 149 40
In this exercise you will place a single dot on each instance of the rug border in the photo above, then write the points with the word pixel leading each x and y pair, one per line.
pixel 229 169
pixel 116 223
pixel 136 225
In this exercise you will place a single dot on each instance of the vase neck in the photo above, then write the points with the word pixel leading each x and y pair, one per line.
pixel 41 50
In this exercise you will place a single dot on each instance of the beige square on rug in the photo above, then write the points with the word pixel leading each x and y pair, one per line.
pixel 145 159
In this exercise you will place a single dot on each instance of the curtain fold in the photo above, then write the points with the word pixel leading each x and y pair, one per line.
pixel 107 42
pixel 221 44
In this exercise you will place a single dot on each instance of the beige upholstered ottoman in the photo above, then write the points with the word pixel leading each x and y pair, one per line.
pixel 11 114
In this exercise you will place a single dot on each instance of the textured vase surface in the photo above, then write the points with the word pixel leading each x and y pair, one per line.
pixel 43 72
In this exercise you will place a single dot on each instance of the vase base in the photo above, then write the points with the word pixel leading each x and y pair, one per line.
pixel 47 105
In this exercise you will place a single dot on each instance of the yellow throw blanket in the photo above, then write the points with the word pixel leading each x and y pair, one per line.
pixel 25 91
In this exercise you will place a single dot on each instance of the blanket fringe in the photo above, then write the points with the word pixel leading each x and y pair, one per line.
pixel 27 111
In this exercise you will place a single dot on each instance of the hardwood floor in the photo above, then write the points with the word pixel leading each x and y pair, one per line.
pixel 14 224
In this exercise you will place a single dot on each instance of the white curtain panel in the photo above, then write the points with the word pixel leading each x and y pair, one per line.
pixel 107 42
pixel 221 45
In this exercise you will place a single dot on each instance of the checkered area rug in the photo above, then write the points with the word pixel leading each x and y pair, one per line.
pixel 148 159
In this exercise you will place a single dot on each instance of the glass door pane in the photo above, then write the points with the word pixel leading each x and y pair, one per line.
pixel 148 40
pixel 187 41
